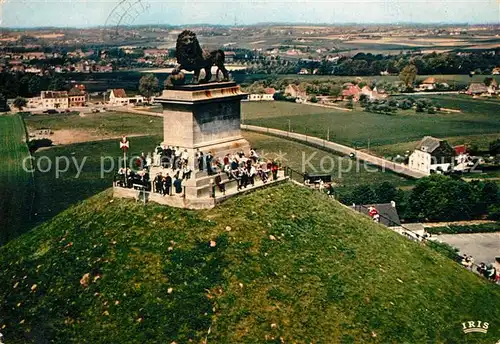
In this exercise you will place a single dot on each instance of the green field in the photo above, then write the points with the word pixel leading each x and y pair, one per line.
pixel 16 185
pixel 108 123
pixel 284 262
pixel 56 193
pixel 359 128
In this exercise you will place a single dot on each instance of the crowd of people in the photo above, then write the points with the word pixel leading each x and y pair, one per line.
pixel 128 178
pixel 174 158
pixel 488 271
pixel 166 185
pixel 242 169
pixel 175 168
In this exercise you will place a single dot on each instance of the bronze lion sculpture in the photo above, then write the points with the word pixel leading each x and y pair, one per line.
pixel 191 57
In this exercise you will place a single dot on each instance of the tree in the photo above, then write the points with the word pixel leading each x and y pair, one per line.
pixel 489 195
pixel 408 75
pixel 441 198
pixel 495 147
pixel 363 194
pixel 3 103
pixel 148 85
pixel 57 84
pixel 488 81
pixel 34 85
pixel 20 102
pixel 350 103
pixel 335 91
pixel 386 192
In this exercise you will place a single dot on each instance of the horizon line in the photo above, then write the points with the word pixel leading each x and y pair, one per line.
pixel 291 24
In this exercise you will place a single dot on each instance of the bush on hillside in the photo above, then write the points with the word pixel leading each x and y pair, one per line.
pixel 494 214
pixel 456 229
pixel 34 145
pixel 444 249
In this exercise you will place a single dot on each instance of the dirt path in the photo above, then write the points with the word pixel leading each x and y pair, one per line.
pixel 70 136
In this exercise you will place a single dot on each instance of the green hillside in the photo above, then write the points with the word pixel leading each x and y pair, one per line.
pixel 16 185
pixel 281 265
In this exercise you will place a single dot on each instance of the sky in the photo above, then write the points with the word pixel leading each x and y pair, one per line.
pixel 85 13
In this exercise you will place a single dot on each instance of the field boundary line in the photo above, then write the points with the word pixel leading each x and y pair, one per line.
pixel 33 196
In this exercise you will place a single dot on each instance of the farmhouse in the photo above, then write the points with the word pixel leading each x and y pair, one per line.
pixel 77 96
pixel 432 155
pixel 351 90
pixel 372 94
pixel 462 158
pixel 428 84
pixel 54 99
pixel 118 97
pixel 477 88
pixel 268 95
pixel 295 91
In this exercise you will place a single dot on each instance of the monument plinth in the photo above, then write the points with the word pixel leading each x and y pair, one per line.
pixel 203 118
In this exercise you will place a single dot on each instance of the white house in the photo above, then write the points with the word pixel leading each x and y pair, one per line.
pixel 428 84
pixel 268 95
pixel 54 99
pixel 118 97
pixel 432 155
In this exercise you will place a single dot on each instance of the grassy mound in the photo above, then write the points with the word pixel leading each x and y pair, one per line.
pixel 282 265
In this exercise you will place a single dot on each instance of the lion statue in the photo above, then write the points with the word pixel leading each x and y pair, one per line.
pixel 191 57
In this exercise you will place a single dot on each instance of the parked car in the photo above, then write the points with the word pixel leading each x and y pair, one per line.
pixel 51 111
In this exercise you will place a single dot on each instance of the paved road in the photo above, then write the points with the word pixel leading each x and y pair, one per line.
pixel 484 247
pixel 362 156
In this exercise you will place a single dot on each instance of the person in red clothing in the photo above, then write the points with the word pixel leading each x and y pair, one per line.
pixel 274 169
pixel 374 214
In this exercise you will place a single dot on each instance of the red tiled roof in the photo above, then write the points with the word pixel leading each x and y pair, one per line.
pixel 119 93
pixel 76 91
pixel 462 149
pixel 269 90
pixel 54 94
pixel 351 91
pixel 429 81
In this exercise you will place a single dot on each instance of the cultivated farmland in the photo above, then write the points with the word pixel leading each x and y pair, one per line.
pixel 359 128
pixel 16 185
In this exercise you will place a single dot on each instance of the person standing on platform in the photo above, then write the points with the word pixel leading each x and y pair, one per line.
pixel 208 159
pixel 168 183
pixel 177 159
pixel 177 184
pixel 185 156
pixel 168 155
pixel 201 159
pixel 274 169
pixel 218 182
pixel 251 174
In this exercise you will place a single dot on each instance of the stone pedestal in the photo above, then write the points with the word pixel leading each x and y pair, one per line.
pixel 203 118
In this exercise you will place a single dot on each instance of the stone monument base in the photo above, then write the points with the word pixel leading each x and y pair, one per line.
pixel 203 118
pixel 203 201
